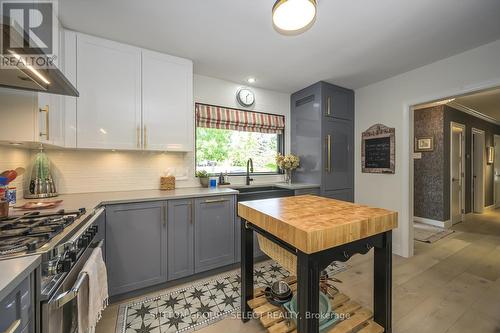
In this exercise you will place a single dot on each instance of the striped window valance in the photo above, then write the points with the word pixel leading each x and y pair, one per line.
pixel 210 116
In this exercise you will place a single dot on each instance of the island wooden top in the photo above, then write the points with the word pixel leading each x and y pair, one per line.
pixel 312 223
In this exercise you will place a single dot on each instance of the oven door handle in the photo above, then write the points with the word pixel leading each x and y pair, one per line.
pixel 67 296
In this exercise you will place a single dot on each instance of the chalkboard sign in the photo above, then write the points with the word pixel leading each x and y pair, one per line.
pixel 378 153
pixel 378 150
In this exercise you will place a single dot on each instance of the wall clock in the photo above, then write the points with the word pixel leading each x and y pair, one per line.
pixel 245 97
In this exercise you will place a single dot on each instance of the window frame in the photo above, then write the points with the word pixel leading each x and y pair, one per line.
pixel 281 145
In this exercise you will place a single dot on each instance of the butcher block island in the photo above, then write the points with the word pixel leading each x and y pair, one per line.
pixel 306 234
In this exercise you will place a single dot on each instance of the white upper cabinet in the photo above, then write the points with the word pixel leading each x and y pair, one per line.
pixel 109 83
pixel 167 102
pixel 50 119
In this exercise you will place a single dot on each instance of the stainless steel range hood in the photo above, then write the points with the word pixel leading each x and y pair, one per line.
pixel 22 76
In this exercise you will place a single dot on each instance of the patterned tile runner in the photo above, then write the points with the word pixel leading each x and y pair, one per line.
pixel 201 304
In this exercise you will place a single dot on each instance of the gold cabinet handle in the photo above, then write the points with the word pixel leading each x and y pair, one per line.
pixel 165 216
pixel 138 137
pixel 328 144
pixel 215 201
pixel 145 137
pixel 47 125
pixel 328 106
pixel 13 327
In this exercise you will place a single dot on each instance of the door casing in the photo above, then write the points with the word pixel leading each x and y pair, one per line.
pixel 462 173
pixel 480 166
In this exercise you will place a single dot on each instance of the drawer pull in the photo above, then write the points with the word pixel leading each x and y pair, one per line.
pixel 13 327
pixel 47 119
pixel 215 201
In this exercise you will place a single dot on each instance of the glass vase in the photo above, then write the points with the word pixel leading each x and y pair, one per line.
pixel 288 176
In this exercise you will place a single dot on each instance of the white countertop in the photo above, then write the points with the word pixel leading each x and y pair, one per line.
pixel 14 271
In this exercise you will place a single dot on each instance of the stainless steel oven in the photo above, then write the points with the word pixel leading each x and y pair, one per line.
pixel 59 312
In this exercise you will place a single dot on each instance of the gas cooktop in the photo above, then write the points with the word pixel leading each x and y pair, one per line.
pixel 26 233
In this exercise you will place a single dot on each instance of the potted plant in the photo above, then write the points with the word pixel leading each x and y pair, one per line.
pixel 203 176
pixel 288 163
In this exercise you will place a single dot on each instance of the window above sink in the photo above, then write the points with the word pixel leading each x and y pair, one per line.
pixel 227 138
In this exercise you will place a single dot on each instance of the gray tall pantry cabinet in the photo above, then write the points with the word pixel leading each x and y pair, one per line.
pixel 322 135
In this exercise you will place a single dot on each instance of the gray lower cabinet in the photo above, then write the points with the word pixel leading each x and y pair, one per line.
pixel 136 246
pixel 17 309
pixel 304 191
pixel 214 232
pixel 180 239
pixel 344 195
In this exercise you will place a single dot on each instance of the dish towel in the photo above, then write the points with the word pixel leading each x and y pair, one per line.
pixel 93 295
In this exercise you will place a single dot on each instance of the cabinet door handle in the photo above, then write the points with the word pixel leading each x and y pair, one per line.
pixel 145 137
pixel 47 125
pixel 138 137
pixel 214 201
pixel 328 145
pixel 329 106
pixel 165 215
pixel 13 327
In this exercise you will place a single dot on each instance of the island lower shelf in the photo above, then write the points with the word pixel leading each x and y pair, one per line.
pixel 355 318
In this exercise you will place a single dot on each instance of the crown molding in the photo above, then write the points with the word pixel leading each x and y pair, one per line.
pixel 473 112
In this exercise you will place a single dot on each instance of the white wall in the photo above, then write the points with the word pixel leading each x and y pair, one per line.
pixel 388 102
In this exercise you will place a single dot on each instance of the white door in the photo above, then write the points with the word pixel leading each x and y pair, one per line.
pixel 478 155
pixel 168 115
pixel 457 173
pixel 109 106
pixel 497 171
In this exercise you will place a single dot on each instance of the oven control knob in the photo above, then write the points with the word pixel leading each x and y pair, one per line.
pixel 71 255
pixel 83 242
pixel 64 265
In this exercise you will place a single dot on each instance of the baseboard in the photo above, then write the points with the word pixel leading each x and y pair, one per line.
pixel 490 207
pixel 441 224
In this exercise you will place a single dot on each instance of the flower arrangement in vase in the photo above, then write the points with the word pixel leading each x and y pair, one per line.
pixel 288 163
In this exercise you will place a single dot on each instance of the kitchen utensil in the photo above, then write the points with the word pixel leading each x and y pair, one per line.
pixel 39 205
pixel 41 183
pixel 278 293
pixel 327 317
pixel 10 175
pixel 20 171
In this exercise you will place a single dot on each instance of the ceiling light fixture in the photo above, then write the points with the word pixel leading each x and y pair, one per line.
pixel 293 17
pixel 251 80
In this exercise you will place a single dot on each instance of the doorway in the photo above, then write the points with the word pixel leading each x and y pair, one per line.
pixel 457 172
pixel 478 155
pixel 497 171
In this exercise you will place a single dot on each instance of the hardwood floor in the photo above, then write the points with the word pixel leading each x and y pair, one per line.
pixel 452 285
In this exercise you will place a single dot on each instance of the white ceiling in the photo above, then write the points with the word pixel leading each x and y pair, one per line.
pixel 486 102
pixel 353 42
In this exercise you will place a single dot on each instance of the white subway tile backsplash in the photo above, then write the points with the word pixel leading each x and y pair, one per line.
pixel 12 157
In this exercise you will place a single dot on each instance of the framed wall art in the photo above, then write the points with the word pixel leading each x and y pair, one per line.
pixel 424 144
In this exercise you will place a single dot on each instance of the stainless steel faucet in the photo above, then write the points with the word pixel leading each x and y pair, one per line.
pixel 249 169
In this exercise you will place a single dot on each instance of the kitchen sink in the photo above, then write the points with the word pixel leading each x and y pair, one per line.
pixel 262 192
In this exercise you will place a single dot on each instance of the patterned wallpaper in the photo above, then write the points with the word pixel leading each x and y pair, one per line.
pixel 429 171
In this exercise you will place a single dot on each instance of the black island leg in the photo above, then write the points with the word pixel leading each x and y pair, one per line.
pixel 246 270
pixel 382 293
pixel 307 293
